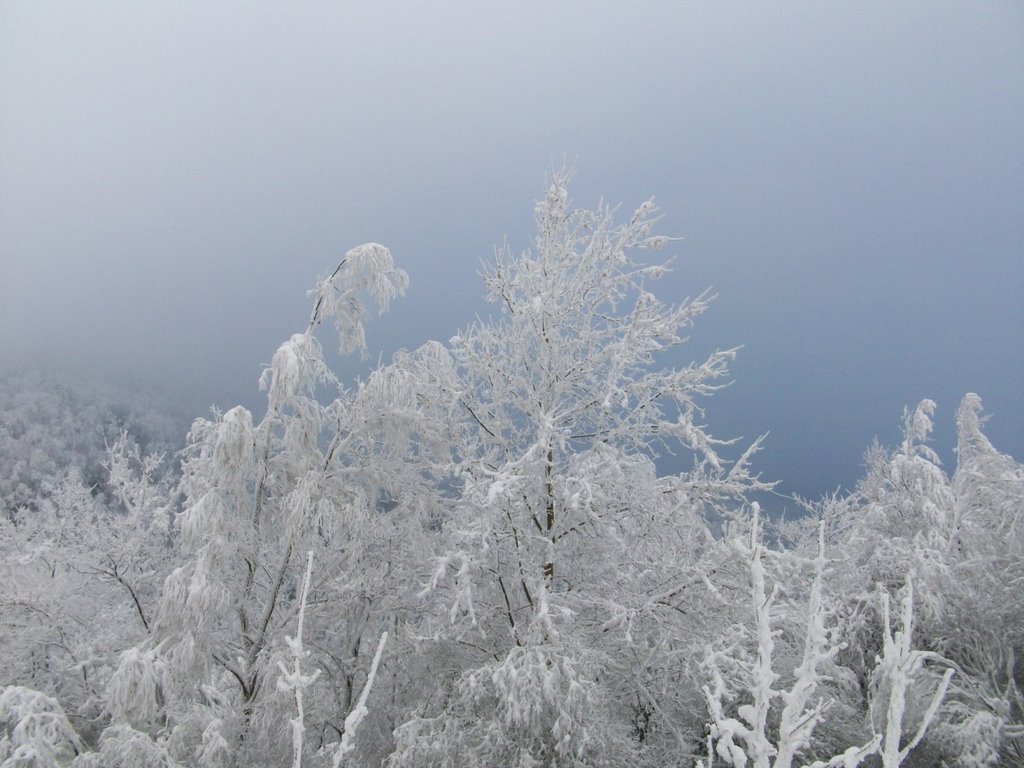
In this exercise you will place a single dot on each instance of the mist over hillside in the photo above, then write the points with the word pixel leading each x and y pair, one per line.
pixel 52 422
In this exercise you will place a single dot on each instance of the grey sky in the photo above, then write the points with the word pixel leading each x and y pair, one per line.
pixel 848 177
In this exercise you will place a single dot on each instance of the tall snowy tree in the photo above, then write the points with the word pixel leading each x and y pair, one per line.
pixel 564 533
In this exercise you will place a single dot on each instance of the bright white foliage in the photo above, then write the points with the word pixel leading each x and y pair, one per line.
pixel 35 731
pixel 502 576
pixel 899 668
pixel 961 541
pixel 293 680
pixel 368 268
pixel 563 532
pixel 358 713
pixel 747 738
pixel 307 477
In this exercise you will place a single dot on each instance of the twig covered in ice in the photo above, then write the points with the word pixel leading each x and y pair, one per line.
pixel 294 680
pixel 355 717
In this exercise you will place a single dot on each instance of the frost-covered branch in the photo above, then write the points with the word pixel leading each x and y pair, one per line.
pixel 355 717
pixel 799 717
pixel 294 680
pixel 368 267
pixel 34 730
pixel 899 668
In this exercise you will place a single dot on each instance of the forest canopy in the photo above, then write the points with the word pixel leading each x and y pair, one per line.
pixel 471 558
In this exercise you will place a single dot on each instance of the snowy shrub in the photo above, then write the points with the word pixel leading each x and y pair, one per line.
pixel 36 733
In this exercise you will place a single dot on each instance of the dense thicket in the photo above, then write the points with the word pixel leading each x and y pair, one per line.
pixel 51 423
pixel 470 559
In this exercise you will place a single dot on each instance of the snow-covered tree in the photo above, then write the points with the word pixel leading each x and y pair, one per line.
pixel 51 423
pixel 78 580
pixel 354 481
pixel 34 731
pixel 470 558
pixel 563 531
pixel 959 538
pixel 773 724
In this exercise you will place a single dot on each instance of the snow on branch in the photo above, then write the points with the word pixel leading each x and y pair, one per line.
pixel 359 712
pixel 366 268
pixel 738 740
pixel 745 739
pixel 34 729
pixel 899 668
pixel 294 680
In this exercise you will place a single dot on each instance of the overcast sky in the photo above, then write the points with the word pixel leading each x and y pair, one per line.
pixel 848 177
